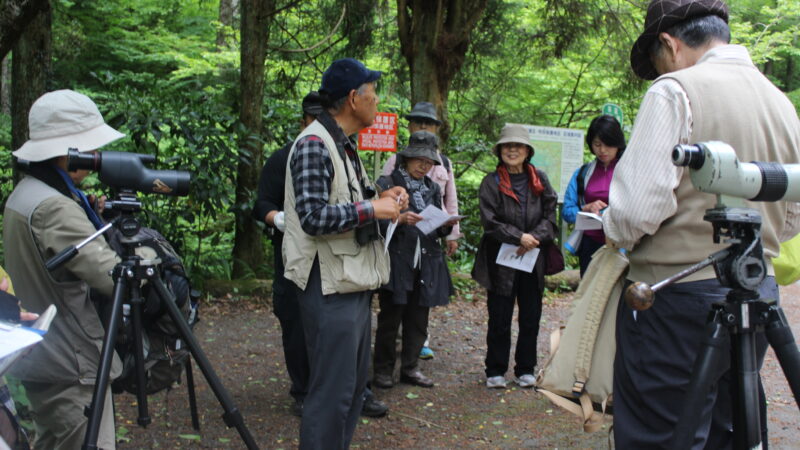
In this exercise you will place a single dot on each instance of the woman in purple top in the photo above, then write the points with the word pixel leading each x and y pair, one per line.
pixel 588 189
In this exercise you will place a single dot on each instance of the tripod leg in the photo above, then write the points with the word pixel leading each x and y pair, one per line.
pixel 782 341
pixel 138 355
pixel 706 363
pixel 744 368
pixel 192 396
pixel 232 416
pixel 95 410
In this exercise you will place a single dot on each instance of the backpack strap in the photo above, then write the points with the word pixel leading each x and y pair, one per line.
pixel 445 162
pixel 582 182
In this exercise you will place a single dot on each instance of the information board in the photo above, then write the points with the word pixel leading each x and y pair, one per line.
pixel 381 135
pixel 558 152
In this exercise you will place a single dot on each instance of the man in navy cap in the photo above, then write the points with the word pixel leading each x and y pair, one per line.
pixel 333 253
pixel 269 209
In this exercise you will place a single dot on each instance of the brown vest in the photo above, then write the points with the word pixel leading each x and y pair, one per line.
pixel 732 102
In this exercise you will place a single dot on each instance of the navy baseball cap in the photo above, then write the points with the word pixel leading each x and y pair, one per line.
pixel 344 75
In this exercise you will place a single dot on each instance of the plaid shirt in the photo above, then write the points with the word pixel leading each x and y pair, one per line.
pixel 312 172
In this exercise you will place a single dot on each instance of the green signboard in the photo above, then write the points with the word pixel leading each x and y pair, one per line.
pixel 612 109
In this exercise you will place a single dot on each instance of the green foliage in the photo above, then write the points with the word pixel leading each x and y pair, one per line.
pixel 771 31
pixel 156 71
pixel 186 129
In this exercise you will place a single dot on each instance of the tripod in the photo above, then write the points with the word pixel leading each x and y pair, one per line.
pixel 737 321
pixel 128 276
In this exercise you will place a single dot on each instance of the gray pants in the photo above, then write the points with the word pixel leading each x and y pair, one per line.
pixel 337 331
pixel 57 411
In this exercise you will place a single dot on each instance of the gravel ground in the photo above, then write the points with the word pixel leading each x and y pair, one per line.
pixel 242 340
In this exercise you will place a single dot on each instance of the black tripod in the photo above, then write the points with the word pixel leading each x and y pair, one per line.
pixel 732 326
pixel 128 276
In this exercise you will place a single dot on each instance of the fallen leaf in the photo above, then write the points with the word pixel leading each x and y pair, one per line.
pixel 191 437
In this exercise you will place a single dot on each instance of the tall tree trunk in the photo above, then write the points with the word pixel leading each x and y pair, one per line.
pixel 30 71
pixel 226 9
pixel 359 26
pixel 248 251
pixel 434 39
pixel 15 15
pixel 5 86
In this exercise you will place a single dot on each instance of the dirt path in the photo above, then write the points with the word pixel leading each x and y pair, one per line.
pixel 243 342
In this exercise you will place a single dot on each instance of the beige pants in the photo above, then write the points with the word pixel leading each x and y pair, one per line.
pixel 60 424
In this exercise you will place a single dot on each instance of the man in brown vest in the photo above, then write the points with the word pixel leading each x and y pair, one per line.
pixel 706 90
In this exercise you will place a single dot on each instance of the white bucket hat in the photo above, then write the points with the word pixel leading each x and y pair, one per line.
pixel 61 120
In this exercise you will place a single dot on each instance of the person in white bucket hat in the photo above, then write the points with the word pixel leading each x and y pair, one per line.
pixel 45 214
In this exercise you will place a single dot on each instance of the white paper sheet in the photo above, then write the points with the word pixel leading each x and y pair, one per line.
pixel 389 233
pixel 433 218
pixel 15 340
pixel 588 221
pixel 507 256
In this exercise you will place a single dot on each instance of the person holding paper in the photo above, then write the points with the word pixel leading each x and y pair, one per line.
pixel 423 118
pixel 419 276
pixel 518 207
pixel 588 189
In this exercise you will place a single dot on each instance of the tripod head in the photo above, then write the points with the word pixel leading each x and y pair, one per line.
pixel 126 205
pixel 743 267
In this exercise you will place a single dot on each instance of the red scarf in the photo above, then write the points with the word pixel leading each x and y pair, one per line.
pixel 534 183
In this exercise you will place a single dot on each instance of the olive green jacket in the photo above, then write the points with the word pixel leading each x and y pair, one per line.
pixel 38 223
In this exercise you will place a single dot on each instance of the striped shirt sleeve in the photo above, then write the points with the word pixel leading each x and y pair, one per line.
pixel 642 192
pixel 312 173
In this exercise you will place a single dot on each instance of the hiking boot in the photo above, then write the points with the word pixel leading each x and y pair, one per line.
pixel 382 380
pixel 417 379
pixel 426 353
pixel 496 382
pixel 373 407
pixel 526 381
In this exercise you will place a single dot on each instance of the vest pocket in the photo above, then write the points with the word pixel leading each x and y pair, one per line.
pixel 76 296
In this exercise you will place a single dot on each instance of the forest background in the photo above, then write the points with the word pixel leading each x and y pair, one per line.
pixel 214 86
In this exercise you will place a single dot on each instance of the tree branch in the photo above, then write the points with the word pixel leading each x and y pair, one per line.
pixel 322 41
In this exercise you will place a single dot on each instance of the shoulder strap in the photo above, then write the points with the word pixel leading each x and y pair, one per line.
pixel 445 162
pixel 581 181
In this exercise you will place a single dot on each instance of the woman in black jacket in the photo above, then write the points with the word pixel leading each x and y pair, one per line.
pixel 419 276
pixel 518 207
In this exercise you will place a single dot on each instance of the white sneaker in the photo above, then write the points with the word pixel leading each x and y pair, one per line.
pixel 526 381
pixel 496 382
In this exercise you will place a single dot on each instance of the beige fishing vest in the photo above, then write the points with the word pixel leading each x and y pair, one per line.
pixel 345 266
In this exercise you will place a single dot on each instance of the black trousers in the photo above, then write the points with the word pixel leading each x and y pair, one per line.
pixel 287 309
pixel 337 331
pixel 414 319
pixel 586 250
pixel 528 296
pixel 655 356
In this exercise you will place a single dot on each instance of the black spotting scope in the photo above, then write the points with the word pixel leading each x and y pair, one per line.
pixel 123 170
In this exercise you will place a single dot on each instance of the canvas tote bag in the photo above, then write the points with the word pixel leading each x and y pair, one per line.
pixel 579 372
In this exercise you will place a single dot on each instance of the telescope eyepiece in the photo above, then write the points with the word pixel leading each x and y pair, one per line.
pixel 691 156
pixel 83 161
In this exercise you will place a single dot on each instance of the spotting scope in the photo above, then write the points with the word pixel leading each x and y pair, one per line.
pixel 717 170
pixel 122 170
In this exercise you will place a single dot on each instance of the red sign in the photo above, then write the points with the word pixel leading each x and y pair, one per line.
pixel 381 135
